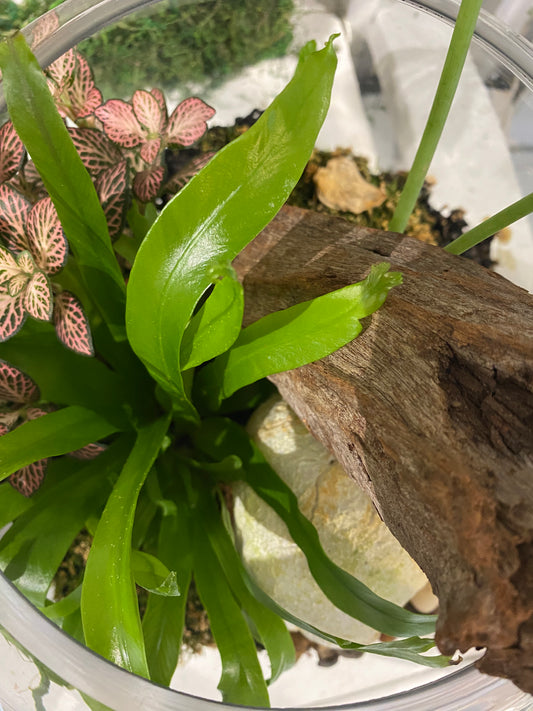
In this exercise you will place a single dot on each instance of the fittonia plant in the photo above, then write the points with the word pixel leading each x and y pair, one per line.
pixel 156 366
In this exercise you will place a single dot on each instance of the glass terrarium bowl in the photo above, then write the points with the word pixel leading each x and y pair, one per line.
pixel 381 98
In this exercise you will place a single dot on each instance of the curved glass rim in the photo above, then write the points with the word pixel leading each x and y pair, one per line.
pixel 80 666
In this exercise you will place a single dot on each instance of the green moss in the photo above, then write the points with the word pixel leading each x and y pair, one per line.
pixel 172 44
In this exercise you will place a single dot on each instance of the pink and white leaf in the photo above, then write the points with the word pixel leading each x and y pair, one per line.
pixel 147 183
pixel 12 152
pixel 14 210
pixel 38 297
pixel 8 420
pixel 8 266
pixel 28 479
pixel 18 284
pixel 112 189
pixel 44 27
pixel 47 241
pixel 188 122
pixel 85 98
pixel 16 386
pixel 12 314
pixel 90 451
pixel 72 325
pixel 148 111
pixel 120 123
pixel 25 263
pixel 61 72
pixel 33 413
pixel 150 150
pixel 96 150
pixel 182 177
pixel 160 98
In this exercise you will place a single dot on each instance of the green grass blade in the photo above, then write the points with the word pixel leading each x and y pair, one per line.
pixel 32 549
pixel 53 434
pixel 272 632
pixel 451 73
pixel 46 138
pixel 242 680
pixel 204 227
pixel 109 607
pixel 219 438
pixel 493 224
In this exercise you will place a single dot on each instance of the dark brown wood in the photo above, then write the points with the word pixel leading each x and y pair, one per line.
pixel 430 410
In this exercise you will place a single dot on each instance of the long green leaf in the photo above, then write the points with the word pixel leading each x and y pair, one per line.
pixel 218 212
pixel 32 549
pixel 153 575
pixel 242 680
pixel 218 438
pixel 296 336
pixel 45 135
pixel 109 607
pixel 273 633
pixel 217 324
pixel 164 619
pixel 53 434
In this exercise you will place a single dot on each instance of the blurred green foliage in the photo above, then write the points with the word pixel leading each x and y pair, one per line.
pixel 173 43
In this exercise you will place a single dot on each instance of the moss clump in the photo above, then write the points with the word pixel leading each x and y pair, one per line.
pixel 173 44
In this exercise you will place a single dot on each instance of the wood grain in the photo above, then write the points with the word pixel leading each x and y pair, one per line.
pixel 430 410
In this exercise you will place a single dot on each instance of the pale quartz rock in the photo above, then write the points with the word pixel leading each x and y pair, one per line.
pixel 349 527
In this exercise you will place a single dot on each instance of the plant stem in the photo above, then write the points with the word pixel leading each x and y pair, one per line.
pixel 449 79
pixel 497 222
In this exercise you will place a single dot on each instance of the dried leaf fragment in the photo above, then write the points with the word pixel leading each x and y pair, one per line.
pixel 340 186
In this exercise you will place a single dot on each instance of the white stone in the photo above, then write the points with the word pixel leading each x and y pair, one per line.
pixel 349 527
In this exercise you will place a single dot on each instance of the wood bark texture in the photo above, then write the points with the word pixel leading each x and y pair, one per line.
pixel 430 410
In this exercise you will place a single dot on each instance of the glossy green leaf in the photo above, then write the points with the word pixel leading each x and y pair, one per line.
pixel 271 630
pixel 32 549
pixel 217 213
pixel 216 325
pixel 109 608
pixel 410 648
pixel 64 377
pixel 57 611
pixel 298 335
pixel 46 138
pixel 53 434
pixel 153 575
pixel 218 438
pixel 164 619
pixel 12 504
pixel 242 680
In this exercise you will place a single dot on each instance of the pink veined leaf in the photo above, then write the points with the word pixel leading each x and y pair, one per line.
pixel 187 122
pixel 150 149
pixel 112 189
pixel 8 266
pixel 18 284
pixel 8 420
pixel 14 211
pixel 33 413
pixel 148 112
pixel 16 386
pixel 12 313
pixel 85 98
pixel 28 479
pixel 44 27
pixel 12 152
pixel 46 239
pixel 97 151
pixel 160 98
pixel 120 123
pixel 90 451
pixel 25 262
pixel 147 183
pixel 38 297
pixel 61 72
pixel 182 177
pixel 72 325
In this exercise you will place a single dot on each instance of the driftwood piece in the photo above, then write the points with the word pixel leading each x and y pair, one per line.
pixel 430 410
